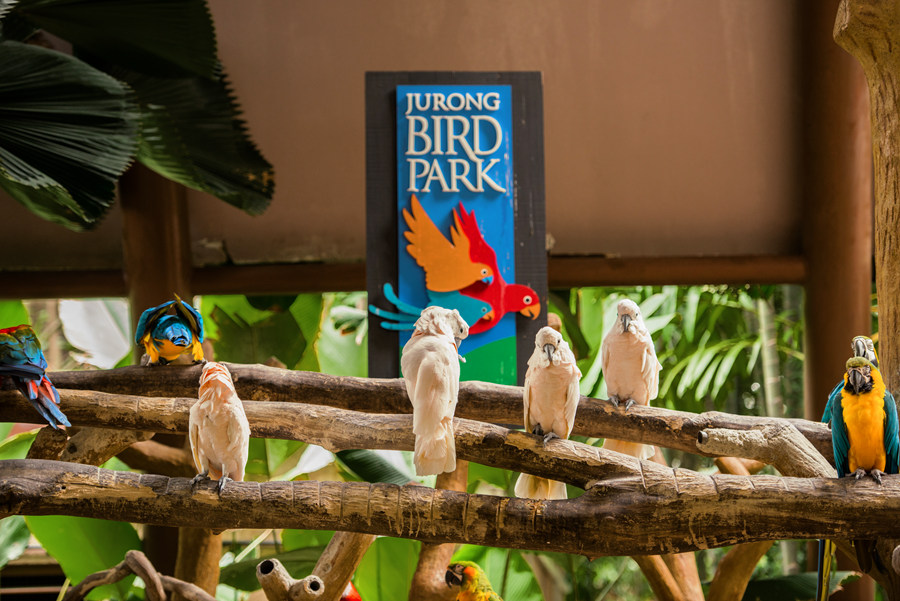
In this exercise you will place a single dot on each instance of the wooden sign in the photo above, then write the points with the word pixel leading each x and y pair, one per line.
pixel 455 220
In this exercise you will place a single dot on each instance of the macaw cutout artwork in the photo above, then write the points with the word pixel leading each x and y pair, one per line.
pixel 460 273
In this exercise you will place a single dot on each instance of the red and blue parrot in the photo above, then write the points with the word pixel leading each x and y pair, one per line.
pixel 460 273
pixel 166 337
pixel 865 435
pixel 22 360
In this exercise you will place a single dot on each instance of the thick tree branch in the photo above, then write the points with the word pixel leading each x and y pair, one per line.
pixel 48 444
pixel 493 403
pixel 157 458
pixel 659 511
pixel 336 565
pixel 337 429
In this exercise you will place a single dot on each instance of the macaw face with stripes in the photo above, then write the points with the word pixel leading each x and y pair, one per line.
pixel 859 375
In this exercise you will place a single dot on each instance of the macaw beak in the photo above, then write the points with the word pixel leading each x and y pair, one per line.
pixel 856 380
pixel 626 321
pixel 452 579
pixel 488 280
pixel 489 316
pixel 532 311
pixel 549 348
pixel 859 348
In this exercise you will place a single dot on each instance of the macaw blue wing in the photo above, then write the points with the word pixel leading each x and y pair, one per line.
pixel 891 435
pixel 191 316
pixel 835 392
pixel 148 319
pixel 840 442
pixel 471 309
pixel 401 305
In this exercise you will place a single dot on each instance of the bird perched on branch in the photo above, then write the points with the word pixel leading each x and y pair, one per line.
pixel 865 435
pixel 551 398
pixel 430 366
pixel 218 429
pixel 630 368
pixel 22 361
pixel 166 337
pixel 862 346
pixel 471 581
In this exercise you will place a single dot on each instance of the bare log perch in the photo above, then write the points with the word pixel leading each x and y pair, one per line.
pixel 654 512
pixel 493 403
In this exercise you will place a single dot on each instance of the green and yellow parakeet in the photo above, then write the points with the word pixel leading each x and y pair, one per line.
pixel 471 581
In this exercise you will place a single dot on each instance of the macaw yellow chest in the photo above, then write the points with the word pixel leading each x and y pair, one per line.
pixel 864 417
pixel 167 350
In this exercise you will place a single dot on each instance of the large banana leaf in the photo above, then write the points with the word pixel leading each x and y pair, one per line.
pixel 167 38
pixel 192 133
pixel 67 132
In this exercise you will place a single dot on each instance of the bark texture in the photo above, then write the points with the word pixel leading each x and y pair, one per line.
pixel 654 511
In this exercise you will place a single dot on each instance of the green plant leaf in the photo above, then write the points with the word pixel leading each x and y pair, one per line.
pixel 299 563
pixel 298 539
pixel 158 37
pixel 387 568
pixel 340 354
pixel 13 313
pixel 307 311
pixel 16 447
pixel 14 537
pixel 375 466
pixel 192 133
pixel 67 132
pixel 795 587
pixel 83 546
pixel 277 335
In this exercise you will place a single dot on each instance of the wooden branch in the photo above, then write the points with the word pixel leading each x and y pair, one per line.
pixel 658 511
pixel 94 446
pixel 493 403
pixel 48 444
pixel 197 559
pixel 428 582
pixel 659 577
pixel 337 429
pixel 335 566
pixel 278 585
pixel 155 583
pixel 734 571
pixel 157 458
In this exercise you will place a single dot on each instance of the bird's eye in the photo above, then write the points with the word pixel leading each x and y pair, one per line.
pixel 484 309
pixel 484 272
pixel 527 299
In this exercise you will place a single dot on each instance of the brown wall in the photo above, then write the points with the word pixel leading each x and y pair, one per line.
pixel 669 126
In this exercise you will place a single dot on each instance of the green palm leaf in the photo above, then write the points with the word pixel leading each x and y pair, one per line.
pixel 192 133
pixel 67 132
pixel 158 37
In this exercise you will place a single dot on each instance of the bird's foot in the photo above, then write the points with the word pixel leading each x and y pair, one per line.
pixel 201 361
pixel 859 473
pixel 537 429
pixel 614 400
pixel 628 404
pixel 199 478
pixel 221 485
pixel 876 475
pixel 550 436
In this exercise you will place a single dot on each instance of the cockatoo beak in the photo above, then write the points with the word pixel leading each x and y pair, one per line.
pixel 549 349
pixel 457 342
pixel 626 321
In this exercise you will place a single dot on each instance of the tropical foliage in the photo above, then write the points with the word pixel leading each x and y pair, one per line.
pixel 711 340
pixel 142 82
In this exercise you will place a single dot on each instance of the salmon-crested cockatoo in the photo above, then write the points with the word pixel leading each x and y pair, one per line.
pixel 430 365
pixel 218 428
pixel 551 400
pixel 630 368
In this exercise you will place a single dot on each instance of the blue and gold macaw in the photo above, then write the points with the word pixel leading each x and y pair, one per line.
pixel 166 337
pixel 862 346
pixel 865 435
pixel 22 360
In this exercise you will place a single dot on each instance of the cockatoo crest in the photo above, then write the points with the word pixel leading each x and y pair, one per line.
pixel 216 383
pixel 438 321
pixel 629 316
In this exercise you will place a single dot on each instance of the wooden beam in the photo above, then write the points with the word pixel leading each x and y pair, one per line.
pixel 289 278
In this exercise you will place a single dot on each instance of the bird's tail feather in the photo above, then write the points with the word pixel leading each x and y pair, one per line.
pixel 45 399
pixel 635 449
pixel 823 582
pixel 436 454
pixel 533 487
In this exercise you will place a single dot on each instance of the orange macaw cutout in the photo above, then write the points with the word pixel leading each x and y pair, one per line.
pixel 448 264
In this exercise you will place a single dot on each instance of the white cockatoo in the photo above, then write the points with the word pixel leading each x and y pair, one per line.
pixel 430 365
pixel 630 368
pixel 218 428
pixel 551 399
